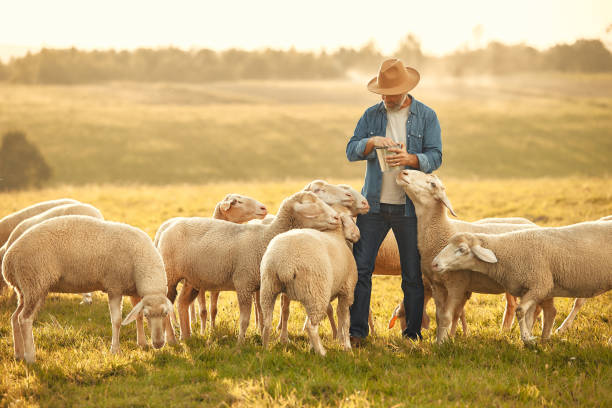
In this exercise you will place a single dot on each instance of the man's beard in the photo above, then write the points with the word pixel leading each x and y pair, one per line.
pixel 395 106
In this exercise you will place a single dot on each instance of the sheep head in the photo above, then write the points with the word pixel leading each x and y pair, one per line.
pixel 155 308
pixel 309 211
pixel 463 251
pixel 239 209
pixel 360 204
pixel 422 188
pixel 330 194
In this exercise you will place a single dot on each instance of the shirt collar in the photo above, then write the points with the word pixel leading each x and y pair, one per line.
pixel 413 106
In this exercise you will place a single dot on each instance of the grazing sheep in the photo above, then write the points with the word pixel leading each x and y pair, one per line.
pixel 8 223
pixel 233 208
pixel 312 267
pixel 65 209
pixel 218 255
pixel 537 264
pixel 450 292
pixel 75 254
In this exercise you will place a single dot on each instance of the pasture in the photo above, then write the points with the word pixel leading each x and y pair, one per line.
pixel 536 146
pixel 487 367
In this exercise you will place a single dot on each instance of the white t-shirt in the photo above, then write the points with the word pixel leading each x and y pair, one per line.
pixel 390 192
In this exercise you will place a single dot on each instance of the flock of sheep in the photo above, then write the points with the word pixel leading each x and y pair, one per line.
pixel 303 253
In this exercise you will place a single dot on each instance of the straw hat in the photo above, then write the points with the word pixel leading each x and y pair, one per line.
pixel 394 78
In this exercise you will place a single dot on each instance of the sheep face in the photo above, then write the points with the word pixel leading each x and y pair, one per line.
pixel 239 208
pixel 309 211
pixel 425 189
pixel 155 308
pixel 463 251
pixel 330 193
pixel 361 205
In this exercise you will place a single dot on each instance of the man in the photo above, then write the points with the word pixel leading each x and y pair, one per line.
pixel 398 120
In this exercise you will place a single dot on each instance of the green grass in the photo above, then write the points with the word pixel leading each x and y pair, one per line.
pixel 486 368
pixel 523 126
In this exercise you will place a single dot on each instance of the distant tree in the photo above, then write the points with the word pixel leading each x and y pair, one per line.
pixel 409 51
pixel 21 163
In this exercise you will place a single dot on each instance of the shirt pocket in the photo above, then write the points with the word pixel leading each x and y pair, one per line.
pixel 414 135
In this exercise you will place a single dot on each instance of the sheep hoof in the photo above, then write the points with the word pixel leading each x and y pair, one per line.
pixel 115 350
pixel 529 341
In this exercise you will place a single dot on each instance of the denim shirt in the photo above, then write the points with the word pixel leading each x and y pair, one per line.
pixel 423 139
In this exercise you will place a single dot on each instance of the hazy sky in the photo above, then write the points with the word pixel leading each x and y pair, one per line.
pixel 442 26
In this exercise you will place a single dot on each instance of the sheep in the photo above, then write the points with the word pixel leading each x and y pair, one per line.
pixel 606 218
pixel 218 255
pixel 233 208
pixel 65 209
pixel 450 292
pixel 536 264
pixel 340 196
pixel 74 254
pixel 8 223
pixel 314 268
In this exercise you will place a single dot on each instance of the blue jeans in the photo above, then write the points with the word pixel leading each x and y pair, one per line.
pixel 374 229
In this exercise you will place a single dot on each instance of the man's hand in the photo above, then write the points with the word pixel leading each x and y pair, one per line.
pixel 402 157
pixel 378 141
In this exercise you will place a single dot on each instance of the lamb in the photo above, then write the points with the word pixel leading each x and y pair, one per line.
pixel 536 264
pixel 232 252
pixel 74 254
pixel 8 223
pixel 314 268
pixel 450 292
pixel 65 209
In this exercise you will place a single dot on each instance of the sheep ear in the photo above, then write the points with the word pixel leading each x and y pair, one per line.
pixel 133 314
pixel 171 312
pixel 441 195
pixel 351 231
pixel 484 254
pixel 226 204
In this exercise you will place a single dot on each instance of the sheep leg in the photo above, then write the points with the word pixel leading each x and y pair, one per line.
pixel 141 338
pixel 284 318
pixel 186 297
pixel 569 320
pixel 258 312
pixel 446 315
pixel 459 315
pixel 527 302
pixel 268 299
pixel 332 323
pixel 371 323
pixel 214 299
pixel 315 340
pixel 344 322
pixel 114 306
pixel 244 302
pixel 439 295
pixel 26 319
pixel 17 338
pixel 193 316
pixel 168 327
pixel 548 317
pixel 530 316
pixel 203 311
pixel 511 304
pixel 425 320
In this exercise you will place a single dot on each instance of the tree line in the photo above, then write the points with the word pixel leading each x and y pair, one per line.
pixel 73 66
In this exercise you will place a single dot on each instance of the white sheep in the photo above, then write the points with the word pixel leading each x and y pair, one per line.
pixel 233 208
pixel 218 255
pixel 450 292
pixel 312 267
pixel 8 223
pixel 65 209
pixel 537 264
pixel 75 254
pixel 334 195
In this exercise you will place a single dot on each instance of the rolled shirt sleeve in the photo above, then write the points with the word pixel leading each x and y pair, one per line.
pixel 357 144
pixel 431 157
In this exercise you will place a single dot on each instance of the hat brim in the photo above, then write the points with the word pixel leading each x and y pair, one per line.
pixel 400 89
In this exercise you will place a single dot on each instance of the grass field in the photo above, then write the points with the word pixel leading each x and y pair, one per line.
pixel 509 127
pixel 487 368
